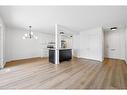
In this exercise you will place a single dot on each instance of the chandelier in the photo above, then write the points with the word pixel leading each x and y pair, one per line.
pixel 30 34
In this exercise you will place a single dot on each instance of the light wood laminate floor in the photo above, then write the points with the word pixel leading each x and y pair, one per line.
pixel 75 74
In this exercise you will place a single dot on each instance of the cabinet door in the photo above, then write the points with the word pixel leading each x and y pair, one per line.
pixel 68 54
pixel 62 55
pixel 65 55
pixel 52 56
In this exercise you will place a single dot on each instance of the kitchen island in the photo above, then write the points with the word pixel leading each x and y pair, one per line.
pixel 64 55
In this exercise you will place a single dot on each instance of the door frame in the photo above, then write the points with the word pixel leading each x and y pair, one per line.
pixel 123 49
pixel 2 63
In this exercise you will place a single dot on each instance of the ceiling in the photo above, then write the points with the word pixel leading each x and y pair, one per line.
pixel 74 18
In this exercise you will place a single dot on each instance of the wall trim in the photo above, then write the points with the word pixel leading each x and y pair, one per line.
pixel 99 60
pixel 25 59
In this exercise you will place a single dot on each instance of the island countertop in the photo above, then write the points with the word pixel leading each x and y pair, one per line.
pixel 60 49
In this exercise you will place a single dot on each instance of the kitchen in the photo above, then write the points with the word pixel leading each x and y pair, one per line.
pixel 64 46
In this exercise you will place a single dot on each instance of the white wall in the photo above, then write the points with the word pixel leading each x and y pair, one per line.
pixel 76 45
pixel 126 44
pixel 18 48
pixel 2 43
pixel 88 44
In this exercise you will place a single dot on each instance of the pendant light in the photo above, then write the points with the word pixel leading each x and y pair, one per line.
pixel 30 34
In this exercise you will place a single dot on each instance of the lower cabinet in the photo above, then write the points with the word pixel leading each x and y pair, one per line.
pixel 64 55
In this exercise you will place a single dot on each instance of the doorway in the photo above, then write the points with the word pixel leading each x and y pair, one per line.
pixel 114 43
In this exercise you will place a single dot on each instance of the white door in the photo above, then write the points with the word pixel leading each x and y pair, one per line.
pixel 114 44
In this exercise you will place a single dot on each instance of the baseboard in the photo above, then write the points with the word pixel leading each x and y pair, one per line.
pixel 24 59
pixel 44 57
pixel 89 59
pixel 115 58
pixel 99 60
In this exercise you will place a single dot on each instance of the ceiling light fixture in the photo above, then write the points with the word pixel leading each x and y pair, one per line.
pixel 62 33
pixel 30 34
pixel 113 28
